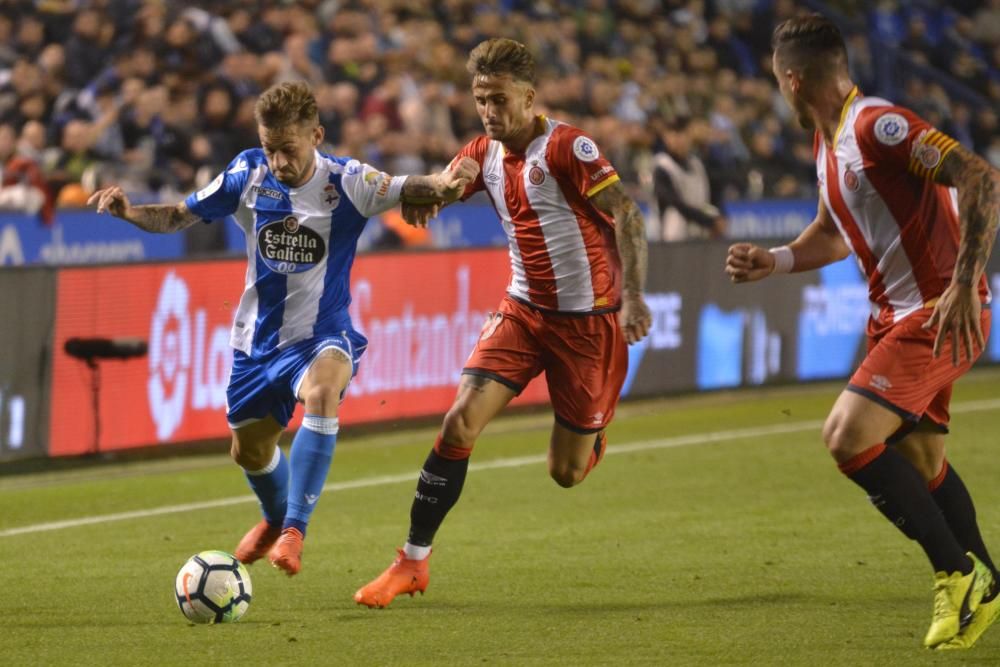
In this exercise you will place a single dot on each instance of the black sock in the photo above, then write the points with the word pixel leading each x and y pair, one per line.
pixel 438 489
pixel 896 489
pixel 956 505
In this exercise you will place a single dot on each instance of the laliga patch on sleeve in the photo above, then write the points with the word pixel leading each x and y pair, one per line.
pixel 585 149
pixel 210 189
pixel 891 129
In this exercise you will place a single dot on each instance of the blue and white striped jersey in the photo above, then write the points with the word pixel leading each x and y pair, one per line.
pixel 301 243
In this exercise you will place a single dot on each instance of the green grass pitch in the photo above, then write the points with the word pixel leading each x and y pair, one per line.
pixel 717 531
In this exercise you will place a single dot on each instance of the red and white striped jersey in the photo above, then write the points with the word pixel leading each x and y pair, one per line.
pixel 563 255
pixel 877 183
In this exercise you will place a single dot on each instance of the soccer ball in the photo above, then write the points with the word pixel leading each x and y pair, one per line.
pixel 213 587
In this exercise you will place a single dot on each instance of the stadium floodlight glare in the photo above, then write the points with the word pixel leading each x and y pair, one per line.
pixel 92 350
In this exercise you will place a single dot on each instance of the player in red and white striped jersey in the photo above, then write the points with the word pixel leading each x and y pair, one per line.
pixel 573 304
pixel 920 214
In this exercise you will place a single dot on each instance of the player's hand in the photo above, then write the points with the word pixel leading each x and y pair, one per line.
pixel 747 262
pixel 957 314
pixel 418 215
pixel 113 200
pixel 634 317
pixel 457 177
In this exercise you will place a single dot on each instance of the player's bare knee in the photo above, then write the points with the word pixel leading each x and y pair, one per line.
pixel 322 399
pixel 842 438
pixel 457 429
pixel 249 458
pixel 565 475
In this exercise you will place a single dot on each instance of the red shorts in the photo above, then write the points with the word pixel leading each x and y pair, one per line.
pixel 584 357
pixel 901 373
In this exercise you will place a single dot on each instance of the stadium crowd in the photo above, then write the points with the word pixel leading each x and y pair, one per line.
pixel 158 96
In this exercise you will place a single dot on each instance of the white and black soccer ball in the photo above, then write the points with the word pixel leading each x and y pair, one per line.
pixel 213 587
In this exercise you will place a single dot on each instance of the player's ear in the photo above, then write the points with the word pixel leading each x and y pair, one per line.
pixel 318 133
pixel 529 97
pixel 794 81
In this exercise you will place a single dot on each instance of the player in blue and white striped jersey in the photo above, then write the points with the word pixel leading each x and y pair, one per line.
pixel 302 212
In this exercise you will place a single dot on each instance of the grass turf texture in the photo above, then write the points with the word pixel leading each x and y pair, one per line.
pixel 751 550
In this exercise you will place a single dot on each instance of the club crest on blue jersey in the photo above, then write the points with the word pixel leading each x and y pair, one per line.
pixel 289 247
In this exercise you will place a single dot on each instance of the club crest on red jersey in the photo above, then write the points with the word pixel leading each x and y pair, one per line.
pixel 851 181
pixel 535 175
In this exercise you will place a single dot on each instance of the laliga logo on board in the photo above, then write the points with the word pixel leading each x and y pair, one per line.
pixel 169 356
pixel 183 355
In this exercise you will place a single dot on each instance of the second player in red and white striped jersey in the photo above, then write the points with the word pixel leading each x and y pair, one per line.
pixel 876 181
pixel 562 248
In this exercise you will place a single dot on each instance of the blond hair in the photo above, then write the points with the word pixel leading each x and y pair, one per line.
pixel 284 104
pixel 502 56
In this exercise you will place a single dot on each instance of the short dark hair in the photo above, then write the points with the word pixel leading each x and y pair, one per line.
pixel 502 56
pixel 809 42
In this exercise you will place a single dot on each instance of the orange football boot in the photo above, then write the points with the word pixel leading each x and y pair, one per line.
pixel 256 543
pixel 287 551
pixel 403 576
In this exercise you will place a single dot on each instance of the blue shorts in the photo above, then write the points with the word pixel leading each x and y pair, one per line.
pixel 270 386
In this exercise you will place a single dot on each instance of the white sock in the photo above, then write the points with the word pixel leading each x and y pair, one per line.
pixel 413 552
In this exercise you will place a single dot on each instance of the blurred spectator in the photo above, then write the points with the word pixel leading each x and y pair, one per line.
pixel 680 184
pixel 22 186
pixel 159 95
pixel 986 24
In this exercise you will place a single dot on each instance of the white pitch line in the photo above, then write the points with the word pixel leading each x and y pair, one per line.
pixel 513 462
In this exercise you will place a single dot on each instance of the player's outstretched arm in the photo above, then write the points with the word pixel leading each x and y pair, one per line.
pixel 630 237
pixel 957 312
pixel 157 218
pixel 819 244
pixel 423 197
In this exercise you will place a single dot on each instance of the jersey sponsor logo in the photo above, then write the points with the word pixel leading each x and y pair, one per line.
pixel 851 181
pixel 585 149
pixel 536 176
pixel 383 179
pixel 210 189
pixel 239 166
pixel 290 247
pixel 266 192
pixel 492 177
pixel 891 129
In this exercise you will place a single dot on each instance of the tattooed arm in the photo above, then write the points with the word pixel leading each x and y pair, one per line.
pixel 423 197
pixel 957 312
pixel 156 218
pixel 630 237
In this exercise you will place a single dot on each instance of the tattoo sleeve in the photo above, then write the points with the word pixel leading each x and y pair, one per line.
pixel 161 219
pixel 630 234
pixel 978 187
pixel 421 190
